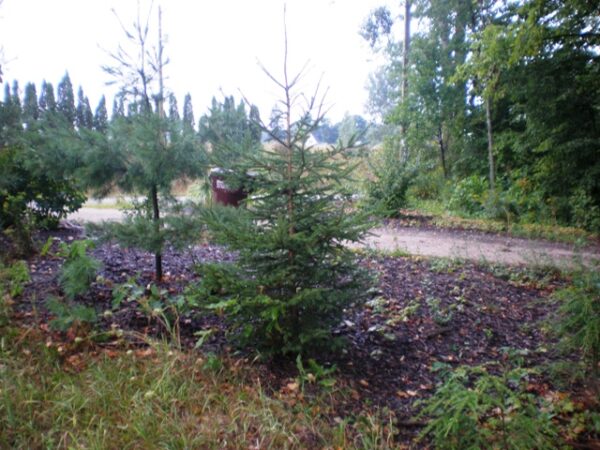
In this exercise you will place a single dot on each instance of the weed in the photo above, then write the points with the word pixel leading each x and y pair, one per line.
pixel 70 315
pixel 578 319
pixel 440 315
pixel 475 409
pixel 315 373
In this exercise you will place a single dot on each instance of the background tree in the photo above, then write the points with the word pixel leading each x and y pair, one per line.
pixel 229 130
pixel 101 116
pixel 65 100
pixel 84 117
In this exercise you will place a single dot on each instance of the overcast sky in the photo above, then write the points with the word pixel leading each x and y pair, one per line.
pixel 213 45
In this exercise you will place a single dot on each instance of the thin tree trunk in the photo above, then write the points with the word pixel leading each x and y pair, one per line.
pixel 162 145
pixel 488 121
pixel 442 145
pixel 404 86
pixel 156 221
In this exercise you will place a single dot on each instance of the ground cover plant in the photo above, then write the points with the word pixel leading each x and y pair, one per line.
pixel 426 320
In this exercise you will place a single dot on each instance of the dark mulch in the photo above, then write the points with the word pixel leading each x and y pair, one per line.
pixel 425 314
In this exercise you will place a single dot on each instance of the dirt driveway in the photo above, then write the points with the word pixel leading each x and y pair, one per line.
pixel 439 242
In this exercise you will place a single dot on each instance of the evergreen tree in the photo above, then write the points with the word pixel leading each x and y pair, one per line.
pixel 31 111
pixel 84 117
pixel 173 108
pixel 101 116
pixel 144 152
pixel 66 99
pixel 118 108
pixel 229 130
pixel 294 275
pixel 47 100
pixel 188 113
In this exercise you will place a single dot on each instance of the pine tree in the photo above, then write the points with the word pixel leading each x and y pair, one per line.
pixel 84 117
pixel 294 275
pixel 101 116
pixel 66 99
pixel 145 152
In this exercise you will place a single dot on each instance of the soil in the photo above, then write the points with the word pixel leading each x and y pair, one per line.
pixel 418 237
pixel 424 314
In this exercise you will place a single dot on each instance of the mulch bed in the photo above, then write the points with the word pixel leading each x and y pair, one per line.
pixel 425 314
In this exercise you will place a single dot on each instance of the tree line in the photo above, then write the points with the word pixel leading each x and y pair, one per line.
pixel 502 98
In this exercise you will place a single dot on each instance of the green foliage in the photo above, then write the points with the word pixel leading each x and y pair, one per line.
pixel 578 319
pixel 68 315
pixel 474 408
pixel 469 196
pixel 315 373
pixel 294 276
pixel 230 130
pixel 79 269
pixel 13 278
pixel 387 192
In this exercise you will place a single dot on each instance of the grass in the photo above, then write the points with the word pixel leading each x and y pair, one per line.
pixel 443 219
pixel 52 396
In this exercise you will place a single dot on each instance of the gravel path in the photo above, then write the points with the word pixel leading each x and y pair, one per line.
pixel 469 245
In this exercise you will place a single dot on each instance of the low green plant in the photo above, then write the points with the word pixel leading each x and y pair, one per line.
pixel 315 373
pixel 578 319
pixel 69 315
pixel 474 408
pixel 79 269
pixel 13 278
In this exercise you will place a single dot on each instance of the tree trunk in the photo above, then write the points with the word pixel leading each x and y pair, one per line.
pixel 404 86
pixel 156 221
pixel 442 151
pixel 488 121
pixel 162 145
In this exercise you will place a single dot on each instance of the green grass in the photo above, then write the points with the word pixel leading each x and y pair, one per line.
pixel 157 398
pixel 444 219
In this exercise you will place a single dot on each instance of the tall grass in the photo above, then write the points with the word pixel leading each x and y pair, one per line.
pixel 157 398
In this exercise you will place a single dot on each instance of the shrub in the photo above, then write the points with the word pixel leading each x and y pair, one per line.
pixel 476 409
pixel 469 196
pixel 578 319
pixel 586 213
pixel 387 191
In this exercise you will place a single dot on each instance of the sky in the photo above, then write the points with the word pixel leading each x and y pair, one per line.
pixel 214 46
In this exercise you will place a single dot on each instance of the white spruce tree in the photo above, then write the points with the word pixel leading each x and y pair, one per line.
pixel 295 274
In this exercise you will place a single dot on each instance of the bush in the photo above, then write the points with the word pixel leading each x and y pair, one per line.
pixel 578 319
pixel 475 409
pixel 387 191
pixel 470 196
pixel 586 213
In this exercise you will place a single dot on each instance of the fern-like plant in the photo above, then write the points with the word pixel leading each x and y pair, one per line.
pixel 474 409
pixel 578 320
pixel 79 270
